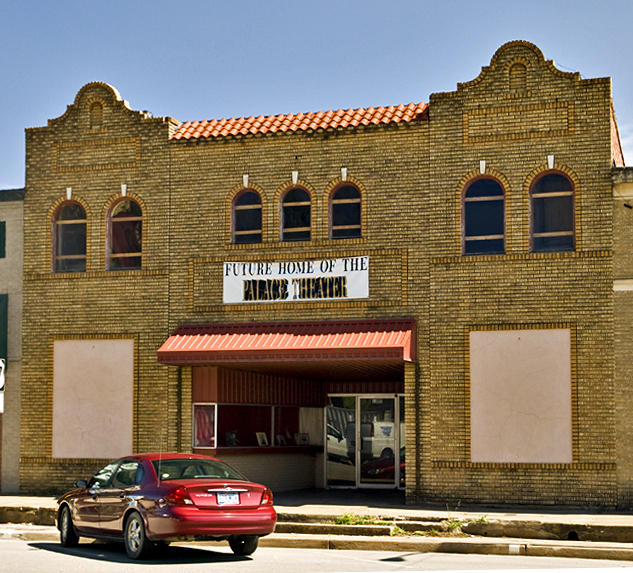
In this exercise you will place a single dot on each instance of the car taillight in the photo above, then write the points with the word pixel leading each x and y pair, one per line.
pixel 179 496
pixel 267 497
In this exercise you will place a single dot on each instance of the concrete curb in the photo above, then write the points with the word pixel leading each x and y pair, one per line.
pixel 536 548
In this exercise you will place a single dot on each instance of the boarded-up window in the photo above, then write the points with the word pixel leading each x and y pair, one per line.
pixel 93 398
pixel 520 396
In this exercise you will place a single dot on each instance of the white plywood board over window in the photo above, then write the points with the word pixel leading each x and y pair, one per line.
pixel 93 395
pixel 520 396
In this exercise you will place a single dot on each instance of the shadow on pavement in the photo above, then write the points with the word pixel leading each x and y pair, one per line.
pixel 115 553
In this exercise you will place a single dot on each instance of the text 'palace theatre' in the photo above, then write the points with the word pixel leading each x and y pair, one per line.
pixel 416 296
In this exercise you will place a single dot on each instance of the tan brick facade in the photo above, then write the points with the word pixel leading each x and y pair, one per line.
pixel 412 176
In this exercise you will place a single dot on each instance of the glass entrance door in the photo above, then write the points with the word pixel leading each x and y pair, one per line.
pixel 377 441
pixel 369 453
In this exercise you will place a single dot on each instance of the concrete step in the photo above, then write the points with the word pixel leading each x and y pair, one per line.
pixel 332 529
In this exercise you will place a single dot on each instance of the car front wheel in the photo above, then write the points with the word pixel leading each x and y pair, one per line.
pixel 244 544
pixel 67 535
pixel 137 545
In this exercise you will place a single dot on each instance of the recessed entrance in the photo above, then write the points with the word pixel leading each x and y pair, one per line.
pixel 364 441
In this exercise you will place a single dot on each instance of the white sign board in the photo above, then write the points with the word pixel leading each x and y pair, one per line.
pixel 296 280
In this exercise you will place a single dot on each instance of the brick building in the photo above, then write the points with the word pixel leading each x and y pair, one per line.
pixel 326 299
pixel 11 235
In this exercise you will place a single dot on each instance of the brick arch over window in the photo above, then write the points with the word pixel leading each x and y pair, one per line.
pixel 124 234
pixel 69 236
pixel 246 218
pixel 552 208
pixel 295 213
pixel 345 210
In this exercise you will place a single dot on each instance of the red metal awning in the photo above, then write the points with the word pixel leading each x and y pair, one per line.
pixel 255 345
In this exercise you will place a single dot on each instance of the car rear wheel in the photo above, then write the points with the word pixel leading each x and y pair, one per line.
pixel 244 544
pixel 137 546
pixel 67 535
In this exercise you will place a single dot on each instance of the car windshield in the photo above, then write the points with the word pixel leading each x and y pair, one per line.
pixel 188 468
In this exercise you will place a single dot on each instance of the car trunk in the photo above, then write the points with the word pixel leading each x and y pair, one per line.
pixel 222 494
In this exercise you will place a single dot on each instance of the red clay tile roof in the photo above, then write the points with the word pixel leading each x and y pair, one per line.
pixel 301 122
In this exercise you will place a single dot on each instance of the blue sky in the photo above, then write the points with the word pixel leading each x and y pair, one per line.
pixel 199 59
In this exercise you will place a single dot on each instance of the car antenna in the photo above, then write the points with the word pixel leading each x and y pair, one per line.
pixel 160 456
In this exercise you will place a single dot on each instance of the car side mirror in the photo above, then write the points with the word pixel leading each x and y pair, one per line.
pixel 81 483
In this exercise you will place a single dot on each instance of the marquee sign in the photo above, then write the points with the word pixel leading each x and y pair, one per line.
pixel 300 280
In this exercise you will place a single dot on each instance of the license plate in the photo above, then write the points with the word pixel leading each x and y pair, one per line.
pixel 228 498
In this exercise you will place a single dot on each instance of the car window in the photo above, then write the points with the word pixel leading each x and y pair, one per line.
pixel 102 477
pixel 130 473
pixel 192 468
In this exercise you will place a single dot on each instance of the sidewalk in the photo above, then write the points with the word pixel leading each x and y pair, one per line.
pixel 503 531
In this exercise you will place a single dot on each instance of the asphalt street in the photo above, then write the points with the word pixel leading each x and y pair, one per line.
pixel 18 556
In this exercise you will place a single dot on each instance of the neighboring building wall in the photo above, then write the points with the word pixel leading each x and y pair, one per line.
pixel 623 313
pixel 11 210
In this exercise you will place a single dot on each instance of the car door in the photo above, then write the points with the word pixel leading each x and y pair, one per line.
pixel 86 505
pixel 122 492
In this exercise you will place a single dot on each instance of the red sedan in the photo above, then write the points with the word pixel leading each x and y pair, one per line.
pixel 148 500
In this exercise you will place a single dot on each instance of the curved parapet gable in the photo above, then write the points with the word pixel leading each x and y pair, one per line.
pixel 535 71
pixel 518 51
pixel 93 105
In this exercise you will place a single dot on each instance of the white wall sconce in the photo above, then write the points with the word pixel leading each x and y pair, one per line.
pixel 344 173
pixel 482 166
pixel 295 177
pixel 69 193
pixel 123 189
pixel 245 179
pixel 550 161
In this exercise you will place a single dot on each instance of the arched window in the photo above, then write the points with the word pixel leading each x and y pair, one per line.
pixel 125 235
pixel 69 238
pixel 552 199
pixel 247 217
pixel 484 219
pixel 295 215
pixel 345 213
